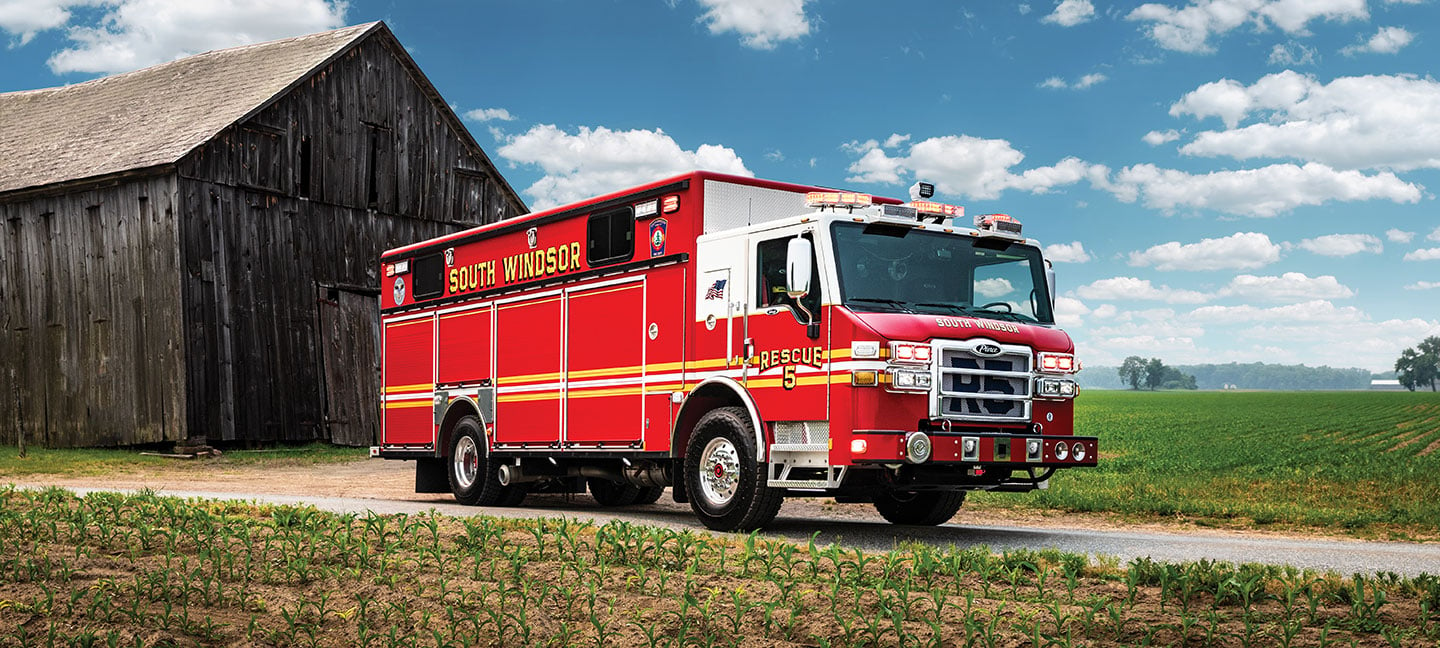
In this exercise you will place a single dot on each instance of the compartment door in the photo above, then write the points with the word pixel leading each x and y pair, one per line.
pixel 605 369
pixel 528 355
pixel 409 382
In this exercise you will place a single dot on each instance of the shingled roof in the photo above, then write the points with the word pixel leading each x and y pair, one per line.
pixel 151 117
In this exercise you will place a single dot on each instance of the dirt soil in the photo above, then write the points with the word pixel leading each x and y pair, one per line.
pixel 395 480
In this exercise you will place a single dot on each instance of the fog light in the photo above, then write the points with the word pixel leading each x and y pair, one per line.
pixel 917 447
pixel 1032 447
pixel 1062 450
pixel 970 449
pixel 1080 452
pixel 859 446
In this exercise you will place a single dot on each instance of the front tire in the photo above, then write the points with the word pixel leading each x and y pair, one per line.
pixel 472 474
pixel 723 479
pixel 925 508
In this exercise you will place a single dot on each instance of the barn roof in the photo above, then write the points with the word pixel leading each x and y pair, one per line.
pixel 151 117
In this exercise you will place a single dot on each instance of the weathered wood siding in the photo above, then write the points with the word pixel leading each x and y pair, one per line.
pixel 90 316
pixel 299 200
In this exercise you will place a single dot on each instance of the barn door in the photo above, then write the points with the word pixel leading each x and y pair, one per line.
pixel 350 331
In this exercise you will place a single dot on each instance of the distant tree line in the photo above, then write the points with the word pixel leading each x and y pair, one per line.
pixel 1154 374
pixel 1419 366
pixel 1254 375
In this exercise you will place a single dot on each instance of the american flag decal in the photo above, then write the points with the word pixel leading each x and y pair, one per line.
pixel 716 291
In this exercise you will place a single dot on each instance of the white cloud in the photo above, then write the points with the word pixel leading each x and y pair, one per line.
pixel 1057 83
pixel 1153 329
pixel 1341 245
pixel 1156 138
pixel 1375 121
pixel 1434 235
pixel 762 24
pixel 1400 236
pixel 489 114
pixel 1292 54
pixel 1189 28
pixel 1239 251
pixel 1023 8
pixel 1067 253
pixel 995 287
pixel 1069 13
pixel 775 155
pixel 26 18
pixel 896 139
pixel 1340 337
pixel 1314 311
pixel 1423 285
pixel 1427 254
pixel 1388 40
pixel 1263 192
pixel 1132 288
pixel 138 33
pixel 965 166
pixel 1288 287
pixel 1105 311
pixel 590 161
pixel 1070 312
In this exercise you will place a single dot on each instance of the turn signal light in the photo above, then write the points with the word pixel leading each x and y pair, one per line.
pixel 867 378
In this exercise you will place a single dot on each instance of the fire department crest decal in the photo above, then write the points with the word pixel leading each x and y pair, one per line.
pixel 532 236
pixel 399 290
pixel 657 237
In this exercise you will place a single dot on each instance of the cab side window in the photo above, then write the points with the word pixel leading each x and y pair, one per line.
pixel 770 279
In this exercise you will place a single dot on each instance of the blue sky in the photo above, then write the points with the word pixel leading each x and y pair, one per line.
pixel 1218 180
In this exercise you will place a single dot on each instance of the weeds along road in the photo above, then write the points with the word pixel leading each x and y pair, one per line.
pixel 1343 556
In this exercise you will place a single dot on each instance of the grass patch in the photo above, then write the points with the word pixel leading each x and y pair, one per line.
pixel 117 569
pixel 94 462
pixel 1307 459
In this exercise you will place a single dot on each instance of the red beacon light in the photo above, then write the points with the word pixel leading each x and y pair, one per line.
pixel 837 199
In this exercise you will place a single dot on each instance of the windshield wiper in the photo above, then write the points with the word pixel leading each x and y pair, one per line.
pixel 976 311
pixel 955 307
pixel 879 300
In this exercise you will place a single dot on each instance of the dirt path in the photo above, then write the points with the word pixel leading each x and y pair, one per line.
pixel 395 481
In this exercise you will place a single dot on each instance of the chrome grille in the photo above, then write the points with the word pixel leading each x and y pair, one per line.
pixel 975 387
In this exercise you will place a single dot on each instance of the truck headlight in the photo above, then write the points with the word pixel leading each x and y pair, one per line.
pixel 1080 452
pixel 1056 388
pixel 910 380
pixel 1062 450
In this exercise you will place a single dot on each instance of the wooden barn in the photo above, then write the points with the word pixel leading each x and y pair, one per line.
pixel 190 250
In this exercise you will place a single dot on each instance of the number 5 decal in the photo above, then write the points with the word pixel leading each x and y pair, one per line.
pixel 789 380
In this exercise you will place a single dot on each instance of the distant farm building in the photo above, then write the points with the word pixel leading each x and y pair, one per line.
pixel 1386 385
pixel 191 249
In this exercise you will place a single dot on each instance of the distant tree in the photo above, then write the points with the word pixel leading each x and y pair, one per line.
pixel 1154 373
pixel 1419 366
pixel 1132 371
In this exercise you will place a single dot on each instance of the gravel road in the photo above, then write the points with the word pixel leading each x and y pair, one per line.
pixel 1343 556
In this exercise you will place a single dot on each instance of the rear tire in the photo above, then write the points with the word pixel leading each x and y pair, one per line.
pixel 723 479
pixel 649 495
pixel 472 474
pixel 925 508
pixel 608 493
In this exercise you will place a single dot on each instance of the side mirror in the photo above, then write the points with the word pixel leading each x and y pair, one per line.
pixel 1050 280
pixel 798 267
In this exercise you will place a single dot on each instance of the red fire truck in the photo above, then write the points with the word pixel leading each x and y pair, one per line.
pixel 739 340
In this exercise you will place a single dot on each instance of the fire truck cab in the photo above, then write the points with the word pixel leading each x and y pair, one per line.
pixel 739 340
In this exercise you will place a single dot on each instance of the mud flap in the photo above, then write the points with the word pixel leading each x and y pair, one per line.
pixel 430 475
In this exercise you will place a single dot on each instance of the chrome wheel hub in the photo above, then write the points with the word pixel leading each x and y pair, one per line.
pixel 719 472
pixel 466 462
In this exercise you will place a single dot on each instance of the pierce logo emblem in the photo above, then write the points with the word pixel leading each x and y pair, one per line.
pixel 987 349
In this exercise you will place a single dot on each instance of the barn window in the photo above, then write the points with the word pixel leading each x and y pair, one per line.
pixel 429 274
pixel 304 188
pixel 610 237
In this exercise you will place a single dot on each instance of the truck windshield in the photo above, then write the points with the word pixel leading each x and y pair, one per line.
pixel 886 267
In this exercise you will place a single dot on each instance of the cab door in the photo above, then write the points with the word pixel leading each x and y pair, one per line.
pixel 789 371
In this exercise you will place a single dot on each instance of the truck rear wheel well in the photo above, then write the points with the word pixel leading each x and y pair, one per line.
pixel 457 410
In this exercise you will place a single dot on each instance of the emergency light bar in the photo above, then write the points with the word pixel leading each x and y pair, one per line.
pixel 931 208
pixel 821 199
pixel 997 225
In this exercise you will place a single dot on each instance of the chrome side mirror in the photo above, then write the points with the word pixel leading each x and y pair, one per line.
pixel 798 267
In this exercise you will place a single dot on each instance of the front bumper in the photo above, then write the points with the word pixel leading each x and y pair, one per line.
pixel 980 449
